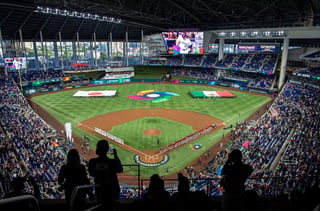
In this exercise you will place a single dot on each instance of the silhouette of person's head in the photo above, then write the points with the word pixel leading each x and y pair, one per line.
pixel 183 184
pixel 73 157
pixel 156 183
pixel 102 147
pixel 236 156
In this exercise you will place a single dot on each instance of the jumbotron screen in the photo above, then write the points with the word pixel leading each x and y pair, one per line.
pixel 183 42
pixel 15 63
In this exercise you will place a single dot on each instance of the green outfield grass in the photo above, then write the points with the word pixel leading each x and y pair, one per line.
pixel 66 108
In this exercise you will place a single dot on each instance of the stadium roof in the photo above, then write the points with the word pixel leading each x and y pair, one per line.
pixel 152 16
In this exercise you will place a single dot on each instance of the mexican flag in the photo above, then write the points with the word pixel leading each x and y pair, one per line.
pixel 201 94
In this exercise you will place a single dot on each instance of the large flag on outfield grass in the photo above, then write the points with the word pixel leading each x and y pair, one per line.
pixel 105 93
pixel 200 94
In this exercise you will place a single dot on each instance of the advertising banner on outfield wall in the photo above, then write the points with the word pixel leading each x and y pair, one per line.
pixel 111 81
pixel 193 81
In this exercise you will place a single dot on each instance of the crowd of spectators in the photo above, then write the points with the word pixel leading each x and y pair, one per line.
pixel 242 79
pixel 253 62
pixel 50 80
pixel 307 72
pixel 209 60
pixel 27 142
pixel 175 60
pixel 314 55
pixel 261 62
pixel 193 60
pixel 37 75
pixel 197 73
pixel 238 70
pixel 86 68
pixel 283 147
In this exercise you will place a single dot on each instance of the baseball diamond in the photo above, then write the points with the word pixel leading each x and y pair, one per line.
pixel 107 121
pixel 183 110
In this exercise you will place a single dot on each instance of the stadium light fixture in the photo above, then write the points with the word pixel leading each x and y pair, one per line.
pixel 266 34
pixel 82 15
pixel 222 34
pixel 279 33
pixel 233 34
pixel 243 34
pixel 252 34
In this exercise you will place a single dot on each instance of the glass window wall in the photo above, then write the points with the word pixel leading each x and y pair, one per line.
pixel 65 54
pixel 134 56
pixel 117 55
pixel 30 55
pixel 101 55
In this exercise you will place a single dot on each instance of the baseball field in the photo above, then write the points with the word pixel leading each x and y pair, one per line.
pixel 147 126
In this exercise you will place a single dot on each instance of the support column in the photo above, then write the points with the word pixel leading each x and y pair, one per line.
pixel 141 46
pixel 110 48
pixel 3 52
pixel 24 52
pixel 61 49
pixel 283 66
pixel 36 56
pixel 92 58
pixel 126 54
pixel 95 59
pixel 221 48
pixel 76 49
pixel 56 55
pixel 42 49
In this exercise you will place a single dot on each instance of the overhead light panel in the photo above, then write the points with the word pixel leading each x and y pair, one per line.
pixel 82 15
pixel 222 34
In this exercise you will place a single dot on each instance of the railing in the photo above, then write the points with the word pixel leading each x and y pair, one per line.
pixel 76 191
pixel 25 202
pixel 266 186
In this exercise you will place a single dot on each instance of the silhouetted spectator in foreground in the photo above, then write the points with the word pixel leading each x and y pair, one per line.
pixel 73 174
pixel 278 203
pixel 105 170
pixel 235 174
pixel 156 197
pixel 250 201
pixel 180 198
pixel 156 188
pixel 312 197
pixel 19 188
pixel 297 200
pixel 199 200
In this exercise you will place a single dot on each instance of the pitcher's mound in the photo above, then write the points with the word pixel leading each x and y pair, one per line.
pixel 152 132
